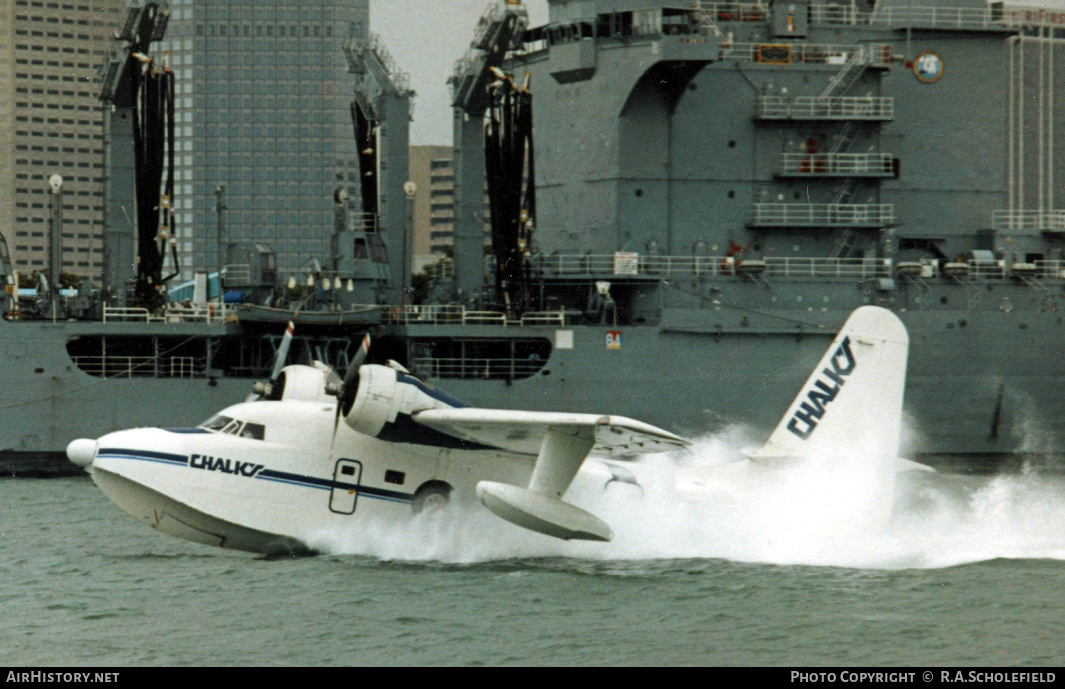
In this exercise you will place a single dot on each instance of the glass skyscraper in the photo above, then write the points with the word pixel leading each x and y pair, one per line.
pixel 263 110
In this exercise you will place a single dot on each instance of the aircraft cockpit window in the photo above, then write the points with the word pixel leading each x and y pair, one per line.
pixel 216 423
pixel 232 427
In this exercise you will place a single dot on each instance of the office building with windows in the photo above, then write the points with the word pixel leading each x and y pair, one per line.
pixel 263 124
pixel 432 170
pixel 51 122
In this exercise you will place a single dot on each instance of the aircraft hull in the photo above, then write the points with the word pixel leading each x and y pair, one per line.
pixel 176 518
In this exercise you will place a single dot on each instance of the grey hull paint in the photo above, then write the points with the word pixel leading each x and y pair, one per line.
pixel 696 371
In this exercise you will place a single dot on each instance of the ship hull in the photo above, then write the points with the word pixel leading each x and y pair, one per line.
pixel 983 386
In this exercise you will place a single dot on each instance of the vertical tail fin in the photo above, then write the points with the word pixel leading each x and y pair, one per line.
pixel 852 403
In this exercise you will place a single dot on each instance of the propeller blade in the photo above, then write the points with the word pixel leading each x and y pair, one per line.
pixel 364 351
pixel 336 425
pixel 269 389
pixel 350 387
pixel 282 352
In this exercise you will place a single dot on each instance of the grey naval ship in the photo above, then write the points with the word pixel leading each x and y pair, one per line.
pixel 714 187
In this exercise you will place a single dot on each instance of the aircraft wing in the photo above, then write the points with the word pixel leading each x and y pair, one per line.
pixel 524 431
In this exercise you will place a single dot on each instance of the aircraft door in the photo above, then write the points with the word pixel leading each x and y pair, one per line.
pixel 345 493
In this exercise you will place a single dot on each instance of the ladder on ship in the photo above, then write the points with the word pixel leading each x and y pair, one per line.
pixel 852 69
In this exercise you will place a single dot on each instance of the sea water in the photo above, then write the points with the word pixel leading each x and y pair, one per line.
pixel 793 572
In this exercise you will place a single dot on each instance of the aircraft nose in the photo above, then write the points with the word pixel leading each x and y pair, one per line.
pixel 81 451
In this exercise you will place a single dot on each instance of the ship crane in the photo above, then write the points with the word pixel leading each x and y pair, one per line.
pixel 511 190
pixel 139 127
pixel 381 113
pixel 498 32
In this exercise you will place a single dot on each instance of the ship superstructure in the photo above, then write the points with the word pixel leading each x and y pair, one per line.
pixel 718 183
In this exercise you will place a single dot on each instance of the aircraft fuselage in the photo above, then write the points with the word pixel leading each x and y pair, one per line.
pixel 271 479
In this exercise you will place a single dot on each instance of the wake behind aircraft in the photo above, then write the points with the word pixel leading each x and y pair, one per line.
pixel 269 474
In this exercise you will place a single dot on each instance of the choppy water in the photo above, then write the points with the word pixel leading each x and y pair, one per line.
pixel 968 572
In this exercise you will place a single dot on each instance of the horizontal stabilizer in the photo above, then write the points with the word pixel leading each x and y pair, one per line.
pixel 540 513
pixel 524 431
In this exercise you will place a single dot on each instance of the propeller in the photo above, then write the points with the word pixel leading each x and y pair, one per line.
pixel 345 394
pixel 266 390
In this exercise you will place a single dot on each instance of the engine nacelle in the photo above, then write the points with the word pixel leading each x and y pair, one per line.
pixel 303 383
pixel 387 398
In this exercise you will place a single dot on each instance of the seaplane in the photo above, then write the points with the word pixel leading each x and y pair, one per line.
pixel 310 451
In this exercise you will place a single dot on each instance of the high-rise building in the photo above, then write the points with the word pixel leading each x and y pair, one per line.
pixel 433 214
pixel 263 123
pixel 432 169
pixel 51 123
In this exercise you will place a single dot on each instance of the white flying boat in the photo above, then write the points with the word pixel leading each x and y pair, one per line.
pixel 270 474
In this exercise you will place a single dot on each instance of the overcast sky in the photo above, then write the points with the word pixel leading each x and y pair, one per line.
pixel 426 37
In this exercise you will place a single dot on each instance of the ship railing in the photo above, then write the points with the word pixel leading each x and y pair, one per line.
pixel 832 108
pixel 937 17
pixel 1000 269
pixel 462 74
pixel 1014 220
pixel 823 214
pixel 711 266
pixel 534 318
pixel 488 19
pixel 175 313
pixel 1049 270
pixel 127 313
pixel 187 367
pixel 459 315
pixel 913 16
pixel 838 14
pixel 484 318
pixel 118 366
pixel 429 315
pixel 827 269
pixel 400 81
pixel 987 270
pixel 857 164
pixel 715 12
pixel 835 54
pixel 236 274
pixel 364 222
pixel 508 368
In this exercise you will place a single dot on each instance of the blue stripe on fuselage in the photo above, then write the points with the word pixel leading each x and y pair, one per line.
pixel 142 455
pixel 265 474
pixel 329 484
